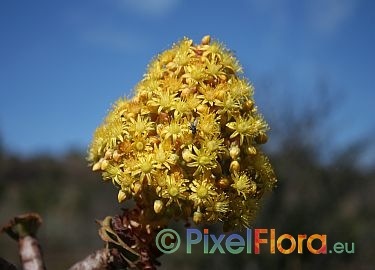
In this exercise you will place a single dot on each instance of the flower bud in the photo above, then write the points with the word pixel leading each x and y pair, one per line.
pixel 158 206
pixel 202 108
pixel 97 166
pixel 261 138
pixel 121 196
pixel 137 188
pixel 187 155
pixel 116 156
pixel 171 65
pixel 234 151
pixel 223 183
pixel 108 154
pixel 185 92
pixel 197 217
pixel 223 77
pixel 104 164
pixel 163 117
pixel 251 150
pixel 248 105
pixel 206 40
pixel 234 166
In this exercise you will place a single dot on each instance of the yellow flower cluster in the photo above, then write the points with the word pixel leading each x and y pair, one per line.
pixel 187 143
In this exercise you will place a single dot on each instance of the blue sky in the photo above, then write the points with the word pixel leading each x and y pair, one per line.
pixel 62 63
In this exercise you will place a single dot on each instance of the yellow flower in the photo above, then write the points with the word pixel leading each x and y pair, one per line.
pixel 175 129
pixel 228 105
pixel 213 52
pixel 213 144
pixel 208 95
pixel 155 71
pixel 247 127
pixel 167 56
pixel 231 63
pixel 243 185
pixel 192 101
pixel 141 143
pixel 195 74
pixel 181 108
pixel 208 124
pixel 202 190
pixel 146 168
pixel 141 126
pixel 175 189
pixel 172 84
pixel 214 69
pixel 203 160
pixel 182 59
pixel 244 215
pixel 163 101
pixel 216 207
pixel 163 156
pixel 113 172
pixel 240 89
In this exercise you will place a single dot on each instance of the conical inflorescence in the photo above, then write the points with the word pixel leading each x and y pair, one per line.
pixel 187 145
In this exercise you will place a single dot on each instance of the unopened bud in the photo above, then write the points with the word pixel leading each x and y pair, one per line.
pixel 116 156
pixel 171 65
pixel 97 166
pixel 202 108
pixel 261 138
pixel 108 154
pixel 223 77
pixel 251 150
pixel 158 206
pixel 206 40
pixel 187 155
pixel 234 166
pixel 185 92
pixel 121 196
pixel 163 117
pixel 104 164
pixel 197 217
pixel 137 188
pixel 248 105
pixel 223 183
pixel 234 151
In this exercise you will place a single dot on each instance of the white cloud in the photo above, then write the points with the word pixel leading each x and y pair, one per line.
pixel 154 8
pixel 328 16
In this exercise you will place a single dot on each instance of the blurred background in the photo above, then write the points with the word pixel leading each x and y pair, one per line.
pixel 63 63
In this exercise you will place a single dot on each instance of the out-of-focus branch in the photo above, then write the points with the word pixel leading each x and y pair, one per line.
pixel 23 229
pixel 98 260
